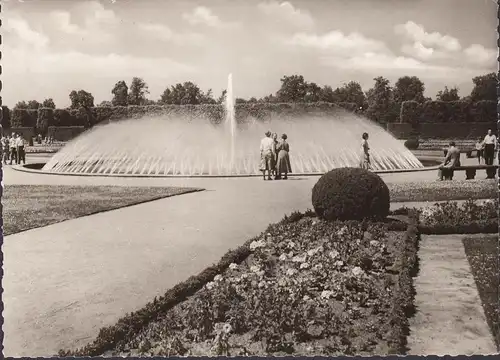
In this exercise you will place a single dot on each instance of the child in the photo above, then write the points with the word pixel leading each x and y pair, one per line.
pixel 479 149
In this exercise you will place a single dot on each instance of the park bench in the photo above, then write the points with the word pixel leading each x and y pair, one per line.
pixel 470 171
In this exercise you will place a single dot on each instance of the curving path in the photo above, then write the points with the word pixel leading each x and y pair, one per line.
pixel 65 281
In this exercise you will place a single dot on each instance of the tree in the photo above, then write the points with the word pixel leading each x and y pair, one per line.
pixel 184 94
pixel 448 94
pixel 327 94
pixel 33 104
pixel 120 94
pixel 48 103
pixel 137 92
pixel 313 93
pixel 380 101
pixel 21 105
pixel 222 97
pixel 485 88
pixel 293 89
pixel 409 88
pixel 80 99
pixel 350 93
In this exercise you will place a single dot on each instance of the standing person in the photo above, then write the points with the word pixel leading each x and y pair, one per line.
pixel 5 149
pixel 479 149
pixel 451 160
pixel 365 153
pixel 490 141
pixel 21 154
pixel 13 149
pixel 274 136
pixel 283 165
pixel 267 151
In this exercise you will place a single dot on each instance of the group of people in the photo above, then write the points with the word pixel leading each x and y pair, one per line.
pixel 274 156
pixel 485 148
pixel 13 149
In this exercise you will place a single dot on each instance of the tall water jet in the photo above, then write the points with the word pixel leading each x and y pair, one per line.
pixel 231 116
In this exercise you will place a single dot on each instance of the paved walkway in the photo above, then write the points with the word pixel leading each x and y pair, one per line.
pixel 65 281
pixel 449 319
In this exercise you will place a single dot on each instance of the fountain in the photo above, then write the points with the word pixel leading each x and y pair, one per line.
pixel 180 147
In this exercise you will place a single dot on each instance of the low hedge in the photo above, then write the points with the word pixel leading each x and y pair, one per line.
pixel 489 226
pixel 113 337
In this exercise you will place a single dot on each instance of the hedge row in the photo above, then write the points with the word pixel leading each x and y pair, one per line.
pixel 112 336
pixel 441 130
pixel 460 111
pixel 43 118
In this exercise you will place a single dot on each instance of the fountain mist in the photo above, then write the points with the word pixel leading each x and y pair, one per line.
pixel 186 147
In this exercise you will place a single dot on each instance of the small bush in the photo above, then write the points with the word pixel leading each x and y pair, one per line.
pixel 412 144
pixel 351 194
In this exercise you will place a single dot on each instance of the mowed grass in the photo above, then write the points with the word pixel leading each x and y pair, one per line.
pixel 482 254
pixel 30 206
pixel 443 190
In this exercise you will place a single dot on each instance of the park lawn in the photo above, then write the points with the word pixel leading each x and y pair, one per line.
pixel 30 206
pixel 443 190
pixel 482 254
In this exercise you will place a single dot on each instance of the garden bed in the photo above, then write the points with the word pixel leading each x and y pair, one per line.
pixel 482 254
pixel 303 287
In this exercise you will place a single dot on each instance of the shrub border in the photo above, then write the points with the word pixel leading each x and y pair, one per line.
pixel 403 307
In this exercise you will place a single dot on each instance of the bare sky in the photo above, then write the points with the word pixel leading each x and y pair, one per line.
pixel 52 47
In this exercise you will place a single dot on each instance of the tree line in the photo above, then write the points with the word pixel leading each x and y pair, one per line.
pixel 381 103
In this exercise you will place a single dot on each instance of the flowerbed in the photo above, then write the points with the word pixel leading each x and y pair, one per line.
pixel 303 287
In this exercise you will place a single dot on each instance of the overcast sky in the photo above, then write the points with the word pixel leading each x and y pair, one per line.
pixel 52 47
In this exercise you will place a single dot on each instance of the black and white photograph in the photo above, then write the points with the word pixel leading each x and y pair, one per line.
pixel 185 178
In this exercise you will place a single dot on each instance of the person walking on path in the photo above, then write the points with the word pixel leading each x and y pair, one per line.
pixel 479 149
pixel 490 142
pixel 365 162
pixel 267 152
pixel 283 165
pixel 21 153
pixel 451 160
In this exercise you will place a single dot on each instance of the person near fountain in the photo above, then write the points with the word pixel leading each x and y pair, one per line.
pixel 451 160
pixel 21 154
pixel 274 136
pixel 490 141
pixel 267 151
pixel 283 166
pixel 5 149
pixel 365 153
pixel 13 149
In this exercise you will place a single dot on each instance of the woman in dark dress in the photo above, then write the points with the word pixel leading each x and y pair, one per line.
pixel 283 165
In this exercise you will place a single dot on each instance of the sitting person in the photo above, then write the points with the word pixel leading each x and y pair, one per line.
pixel 451 160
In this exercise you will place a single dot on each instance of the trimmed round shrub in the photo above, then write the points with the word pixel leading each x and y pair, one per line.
pixel 351 194
pixel 412 144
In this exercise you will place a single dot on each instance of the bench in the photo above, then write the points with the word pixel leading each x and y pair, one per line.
pixel 470 171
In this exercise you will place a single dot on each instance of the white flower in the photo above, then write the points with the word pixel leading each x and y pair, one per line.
pixel 257 244
pixel 342 231
pixel 227 328
pixel 300 259
pixel 262 284
pixel 314 251
pixel 357 271
pixel 218 278
pixel 291 272
pixel 282 257
pixel 291 244
pixel 373 242
pixel 326 294
pixel 318 267
pixel 339 263
pixel 333 254
pixel 314 223
pixel 306 298
pixel 233 266
pixel 210 285
pixel 260 273
pixel 281 282
pixel 254 268
pixel 304 265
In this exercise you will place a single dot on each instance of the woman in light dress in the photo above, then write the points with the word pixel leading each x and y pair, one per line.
pixel 283 166
pixel 365 153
